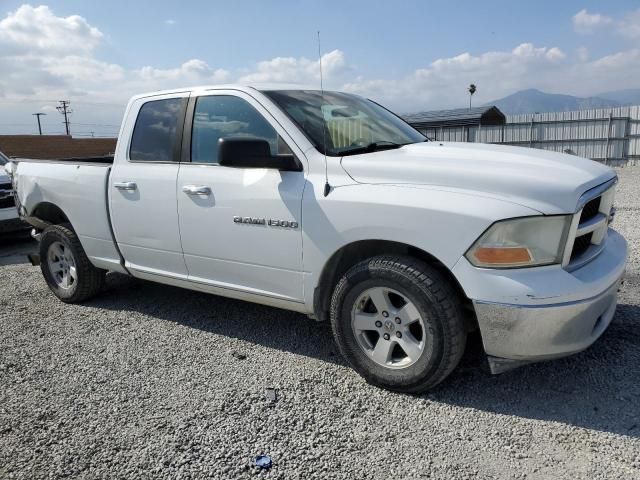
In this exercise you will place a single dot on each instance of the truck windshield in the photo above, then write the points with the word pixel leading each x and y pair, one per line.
pixel 346 124
pixel 3 159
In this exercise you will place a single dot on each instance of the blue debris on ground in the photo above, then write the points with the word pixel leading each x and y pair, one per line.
pixel 263 461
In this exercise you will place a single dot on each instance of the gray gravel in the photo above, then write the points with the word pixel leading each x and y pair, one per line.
pixel 149 381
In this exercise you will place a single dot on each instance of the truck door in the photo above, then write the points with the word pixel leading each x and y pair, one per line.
pixel 240 227
pixel 142 186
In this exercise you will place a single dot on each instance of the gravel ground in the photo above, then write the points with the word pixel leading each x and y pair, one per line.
pixel 149 381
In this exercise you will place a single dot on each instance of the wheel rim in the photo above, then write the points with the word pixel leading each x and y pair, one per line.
pixel 388 327
pixel 62 265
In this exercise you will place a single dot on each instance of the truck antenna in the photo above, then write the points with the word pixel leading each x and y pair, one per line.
pixel 327 187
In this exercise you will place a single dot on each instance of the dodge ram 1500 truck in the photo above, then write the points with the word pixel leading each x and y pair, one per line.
pixel 328 204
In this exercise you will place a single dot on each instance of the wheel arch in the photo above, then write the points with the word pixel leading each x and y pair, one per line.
pixel 45 214
pixel 349 255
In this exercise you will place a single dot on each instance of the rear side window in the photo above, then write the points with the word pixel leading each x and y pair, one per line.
pixel 219 117
pixel 157 130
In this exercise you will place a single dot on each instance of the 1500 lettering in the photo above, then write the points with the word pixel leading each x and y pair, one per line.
pixel 262 221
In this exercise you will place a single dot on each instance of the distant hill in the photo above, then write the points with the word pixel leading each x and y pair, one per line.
pixel 532 101
pixel 625 97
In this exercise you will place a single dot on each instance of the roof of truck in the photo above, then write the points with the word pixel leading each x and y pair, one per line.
pixel 231 86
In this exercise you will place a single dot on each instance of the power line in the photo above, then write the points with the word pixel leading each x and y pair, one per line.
pixel 97 124
pixel 95 135
pixel 63 108
pixel 120 105
pixel 37 115
pixel 81 102
pixel 115 127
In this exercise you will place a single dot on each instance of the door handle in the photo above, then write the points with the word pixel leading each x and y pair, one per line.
pixel 196 190
pixel 125 185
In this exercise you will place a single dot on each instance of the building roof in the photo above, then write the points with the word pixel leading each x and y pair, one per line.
pixel 488 115
pixel 55 146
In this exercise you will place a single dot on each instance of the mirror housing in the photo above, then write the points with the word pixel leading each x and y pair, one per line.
pixel 253 153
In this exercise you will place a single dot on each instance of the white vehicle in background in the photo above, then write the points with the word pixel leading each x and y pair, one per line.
pixel 9 220
pixel 327 204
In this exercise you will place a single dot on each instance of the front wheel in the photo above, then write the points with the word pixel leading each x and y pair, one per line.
pixel 398 323
pixel 65 266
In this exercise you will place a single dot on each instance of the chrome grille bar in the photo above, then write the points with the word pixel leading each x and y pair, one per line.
pixel 596 226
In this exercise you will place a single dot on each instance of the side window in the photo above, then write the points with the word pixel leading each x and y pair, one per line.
pixel 223 116
pixel 156 131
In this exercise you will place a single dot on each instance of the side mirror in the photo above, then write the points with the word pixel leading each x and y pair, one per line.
pixel 253 153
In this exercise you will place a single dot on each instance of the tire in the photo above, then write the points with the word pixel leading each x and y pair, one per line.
pixel 399 363
pixel 62 255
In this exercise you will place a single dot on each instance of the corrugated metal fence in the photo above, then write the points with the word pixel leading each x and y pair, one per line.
pixel 609 135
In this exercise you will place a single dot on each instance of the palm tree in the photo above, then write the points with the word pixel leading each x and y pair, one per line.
pixel 472 89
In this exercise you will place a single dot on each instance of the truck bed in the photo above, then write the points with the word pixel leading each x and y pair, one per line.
pixel 78 187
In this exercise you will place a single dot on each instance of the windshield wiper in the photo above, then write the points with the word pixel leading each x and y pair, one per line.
pixel 374 147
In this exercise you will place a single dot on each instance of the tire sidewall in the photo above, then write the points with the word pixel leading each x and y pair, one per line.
pixel 50 236
pixel 368 276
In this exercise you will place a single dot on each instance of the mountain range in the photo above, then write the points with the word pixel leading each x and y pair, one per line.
pixel 532 101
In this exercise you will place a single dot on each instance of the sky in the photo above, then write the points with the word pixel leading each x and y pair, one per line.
pixel 408 55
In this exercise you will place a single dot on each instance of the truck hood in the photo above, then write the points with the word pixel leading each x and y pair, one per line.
pixel 546 181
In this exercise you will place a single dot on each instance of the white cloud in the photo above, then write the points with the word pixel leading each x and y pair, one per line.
pixel 46 56
pixel 629 26
pixel 170 22
pixel 36 30
pixel 585 22
pixel 296 70
pixel 192 72
pixel 583 54
pixel 50 55
pixel 443 83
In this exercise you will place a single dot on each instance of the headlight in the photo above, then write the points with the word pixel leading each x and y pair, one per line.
pixel 521 242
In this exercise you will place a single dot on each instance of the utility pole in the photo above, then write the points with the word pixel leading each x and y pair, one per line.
pixel 37 115
pixel 64 109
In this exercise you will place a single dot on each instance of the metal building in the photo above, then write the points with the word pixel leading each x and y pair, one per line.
pixel 456 124
pixel 608 135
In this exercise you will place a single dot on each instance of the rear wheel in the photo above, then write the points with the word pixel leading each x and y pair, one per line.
pixel 398 323
pixel 65 266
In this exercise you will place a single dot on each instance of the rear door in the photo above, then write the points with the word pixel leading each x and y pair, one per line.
pixel 244 231
pixel 143 186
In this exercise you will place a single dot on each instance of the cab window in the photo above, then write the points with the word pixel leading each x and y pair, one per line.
pixel 156 132
pixel 220 117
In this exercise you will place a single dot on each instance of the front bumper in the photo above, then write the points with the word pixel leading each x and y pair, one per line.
pixel 10 213
pixel 527 315
pixel 9 220
pixel 13 225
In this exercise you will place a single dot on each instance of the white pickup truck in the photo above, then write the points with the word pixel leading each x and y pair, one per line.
pixel 328 204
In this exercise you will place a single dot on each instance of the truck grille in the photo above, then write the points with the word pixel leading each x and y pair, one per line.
pixel 6 196
pixel 581 245
pixel 590 224
pixel 590 210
